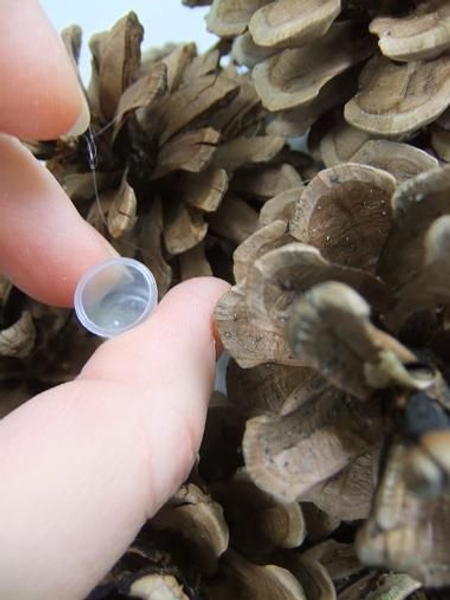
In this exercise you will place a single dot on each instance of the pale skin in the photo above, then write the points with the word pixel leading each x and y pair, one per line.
pixel 83 465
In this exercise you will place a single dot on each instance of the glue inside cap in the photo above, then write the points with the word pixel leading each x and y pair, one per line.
pixel 115 296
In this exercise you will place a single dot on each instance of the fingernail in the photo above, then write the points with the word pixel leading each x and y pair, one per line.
pixel 84 118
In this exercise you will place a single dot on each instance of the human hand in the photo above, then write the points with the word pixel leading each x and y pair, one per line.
pixel 83 465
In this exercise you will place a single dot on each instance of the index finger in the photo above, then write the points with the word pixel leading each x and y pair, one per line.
pixel 41 97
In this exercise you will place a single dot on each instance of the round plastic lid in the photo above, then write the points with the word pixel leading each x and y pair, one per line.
pixel 115 296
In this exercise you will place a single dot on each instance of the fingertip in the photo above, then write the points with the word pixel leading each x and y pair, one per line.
pixel 171 358
pixel 45 245
pixel 180 333
pixel 188 293
pixel 41 97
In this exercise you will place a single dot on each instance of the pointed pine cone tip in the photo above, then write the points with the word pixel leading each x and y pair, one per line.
pixel 71 37
pixel 116 60
pixel 203 190
pixel 121 215
pixel 175 62
pixel 195 100
pixel 142 93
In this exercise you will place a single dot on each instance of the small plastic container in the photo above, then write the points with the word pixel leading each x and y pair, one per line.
pixel 115 296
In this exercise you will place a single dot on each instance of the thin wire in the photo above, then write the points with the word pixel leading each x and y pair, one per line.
pixel 92 159
pixel 92 156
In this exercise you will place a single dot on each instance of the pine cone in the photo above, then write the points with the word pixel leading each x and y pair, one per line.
pixel 309 57
pixel 174 135
pixel 343 295
pixel 223 537
pixel 337 322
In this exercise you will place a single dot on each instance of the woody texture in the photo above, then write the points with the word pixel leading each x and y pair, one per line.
pixel 303 158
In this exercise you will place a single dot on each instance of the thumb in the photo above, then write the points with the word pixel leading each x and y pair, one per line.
pixel 86 463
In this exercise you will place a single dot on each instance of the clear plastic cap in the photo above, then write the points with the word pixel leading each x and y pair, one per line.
pixel 115 296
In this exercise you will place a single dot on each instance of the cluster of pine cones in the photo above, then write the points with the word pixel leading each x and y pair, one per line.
pixel 302 158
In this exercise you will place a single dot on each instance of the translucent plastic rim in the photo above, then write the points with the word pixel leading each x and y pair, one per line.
pixel 90 273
